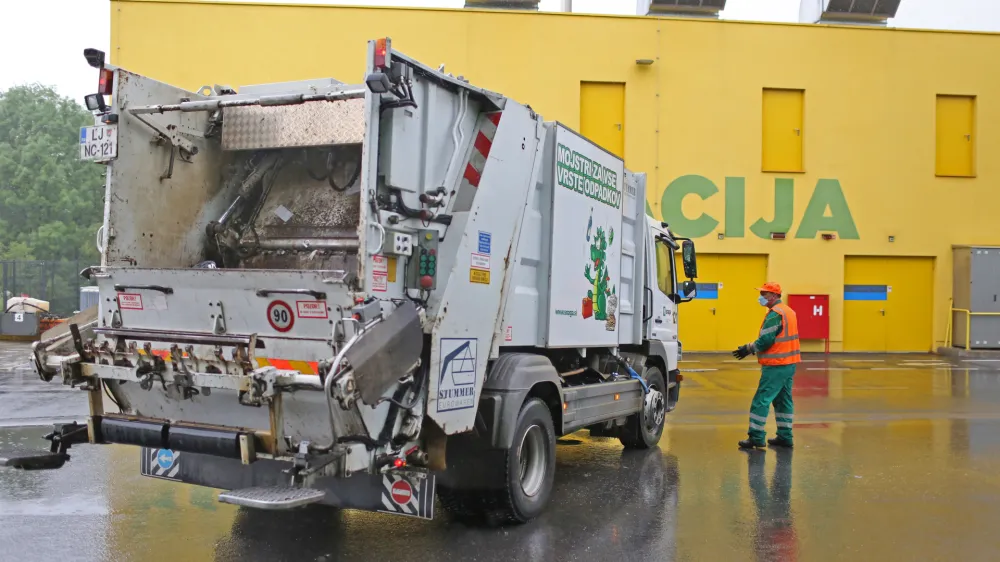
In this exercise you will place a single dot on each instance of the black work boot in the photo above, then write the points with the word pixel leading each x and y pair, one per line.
pixel 748 444
pixel 779 442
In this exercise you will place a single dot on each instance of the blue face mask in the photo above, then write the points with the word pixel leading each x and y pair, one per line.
pixel 762 300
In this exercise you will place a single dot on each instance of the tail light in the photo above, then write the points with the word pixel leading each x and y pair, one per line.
pixel 106 82
pixel 382 52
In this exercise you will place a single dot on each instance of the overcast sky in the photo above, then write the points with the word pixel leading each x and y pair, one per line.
pixel 43 40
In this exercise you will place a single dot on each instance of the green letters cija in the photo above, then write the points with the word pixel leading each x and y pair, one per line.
pixel 827 210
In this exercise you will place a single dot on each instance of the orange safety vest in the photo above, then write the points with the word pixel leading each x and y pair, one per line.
pixel 785 350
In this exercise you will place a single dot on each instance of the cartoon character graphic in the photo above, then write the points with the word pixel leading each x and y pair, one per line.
pixel 596 302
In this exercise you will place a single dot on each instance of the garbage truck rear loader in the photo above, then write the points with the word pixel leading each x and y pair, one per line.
pixel 364 295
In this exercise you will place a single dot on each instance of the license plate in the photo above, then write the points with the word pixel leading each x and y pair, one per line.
pixel 99 143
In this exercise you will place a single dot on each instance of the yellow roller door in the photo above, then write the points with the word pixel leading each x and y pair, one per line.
pixel 725 314
pixel 888 303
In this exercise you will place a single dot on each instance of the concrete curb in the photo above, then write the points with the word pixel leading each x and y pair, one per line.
pixel 969 354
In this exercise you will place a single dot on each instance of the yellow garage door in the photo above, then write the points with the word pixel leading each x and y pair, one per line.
pixel 602 115
pixel 725 314
pixel 888 303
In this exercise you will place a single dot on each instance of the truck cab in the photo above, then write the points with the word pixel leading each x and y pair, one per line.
pixel 668 291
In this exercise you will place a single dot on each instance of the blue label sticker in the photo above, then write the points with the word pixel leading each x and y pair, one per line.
pixel 83 135
pixel 485 241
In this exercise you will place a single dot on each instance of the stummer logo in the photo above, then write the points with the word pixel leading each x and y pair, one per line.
pixel 827 210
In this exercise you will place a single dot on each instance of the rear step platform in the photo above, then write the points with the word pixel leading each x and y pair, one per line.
pixel 33 460
pixel 274 497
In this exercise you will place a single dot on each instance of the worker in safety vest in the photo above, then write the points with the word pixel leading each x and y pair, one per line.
pixel 777 350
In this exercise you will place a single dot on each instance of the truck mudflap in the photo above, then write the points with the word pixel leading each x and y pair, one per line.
pixel 398 492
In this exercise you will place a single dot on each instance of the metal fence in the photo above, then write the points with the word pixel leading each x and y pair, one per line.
pixel 57 282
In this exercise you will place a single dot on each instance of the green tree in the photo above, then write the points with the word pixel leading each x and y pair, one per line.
pixel 51 202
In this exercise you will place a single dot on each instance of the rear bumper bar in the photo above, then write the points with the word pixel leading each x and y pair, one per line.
pixel 217 442
pixel 408 492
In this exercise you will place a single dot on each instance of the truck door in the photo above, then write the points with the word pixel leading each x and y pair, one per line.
pixel 662 282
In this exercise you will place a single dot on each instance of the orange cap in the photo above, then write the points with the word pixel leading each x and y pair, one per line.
pixel 770 288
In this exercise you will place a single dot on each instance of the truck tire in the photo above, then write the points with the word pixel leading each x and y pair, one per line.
pixel 531 464
pixel 523 483
pixel 642 431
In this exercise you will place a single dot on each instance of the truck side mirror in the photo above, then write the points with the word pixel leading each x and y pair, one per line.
pixel 690 263
pixel 689 290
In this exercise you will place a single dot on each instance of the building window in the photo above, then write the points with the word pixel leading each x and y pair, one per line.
pixel 956 136
pixel 783 131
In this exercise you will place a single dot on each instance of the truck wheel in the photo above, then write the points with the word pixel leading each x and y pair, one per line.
pixel 531 465
pixel 516 485
pixel 643 430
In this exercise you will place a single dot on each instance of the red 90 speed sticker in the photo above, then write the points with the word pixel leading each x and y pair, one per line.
pixel 280 316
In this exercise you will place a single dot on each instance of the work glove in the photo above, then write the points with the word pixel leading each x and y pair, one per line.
pixel 742 351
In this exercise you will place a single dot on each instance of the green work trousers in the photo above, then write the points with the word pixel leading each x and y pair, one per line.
pixel 775 387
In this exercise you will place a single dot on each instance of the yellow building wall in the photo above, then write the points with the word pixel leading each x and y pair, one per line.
pixel 693 118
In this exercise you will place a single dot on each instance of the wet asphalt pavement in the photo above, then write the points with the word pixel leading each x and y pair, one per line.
pixel 897 457
pixel 27 400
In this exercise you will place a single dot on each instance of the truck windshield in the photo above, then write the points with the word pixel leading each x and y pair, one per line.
pixel 665 268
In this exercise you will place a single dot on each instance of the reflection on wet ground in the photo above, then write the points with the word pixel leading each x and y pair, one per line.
pixel 896 458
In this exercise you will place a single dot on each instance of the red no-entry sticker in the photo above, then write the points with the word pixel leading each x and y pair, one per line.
pixel 402 492
pixel 280 316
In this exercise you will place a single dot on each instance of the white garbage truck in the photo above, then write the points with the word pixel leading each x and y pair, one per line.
pixel 363 295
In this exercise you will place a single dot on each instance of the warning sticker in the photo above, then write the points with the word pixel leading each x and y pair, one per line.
pixel 279 316
pixel 379 264
pixel 311 309
pixel 160 463
pixel 380 281
pixel 402 492
pixel 410 494
pixel 479 276
pixel 480 261
pixel 130 301
pixel 509 334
